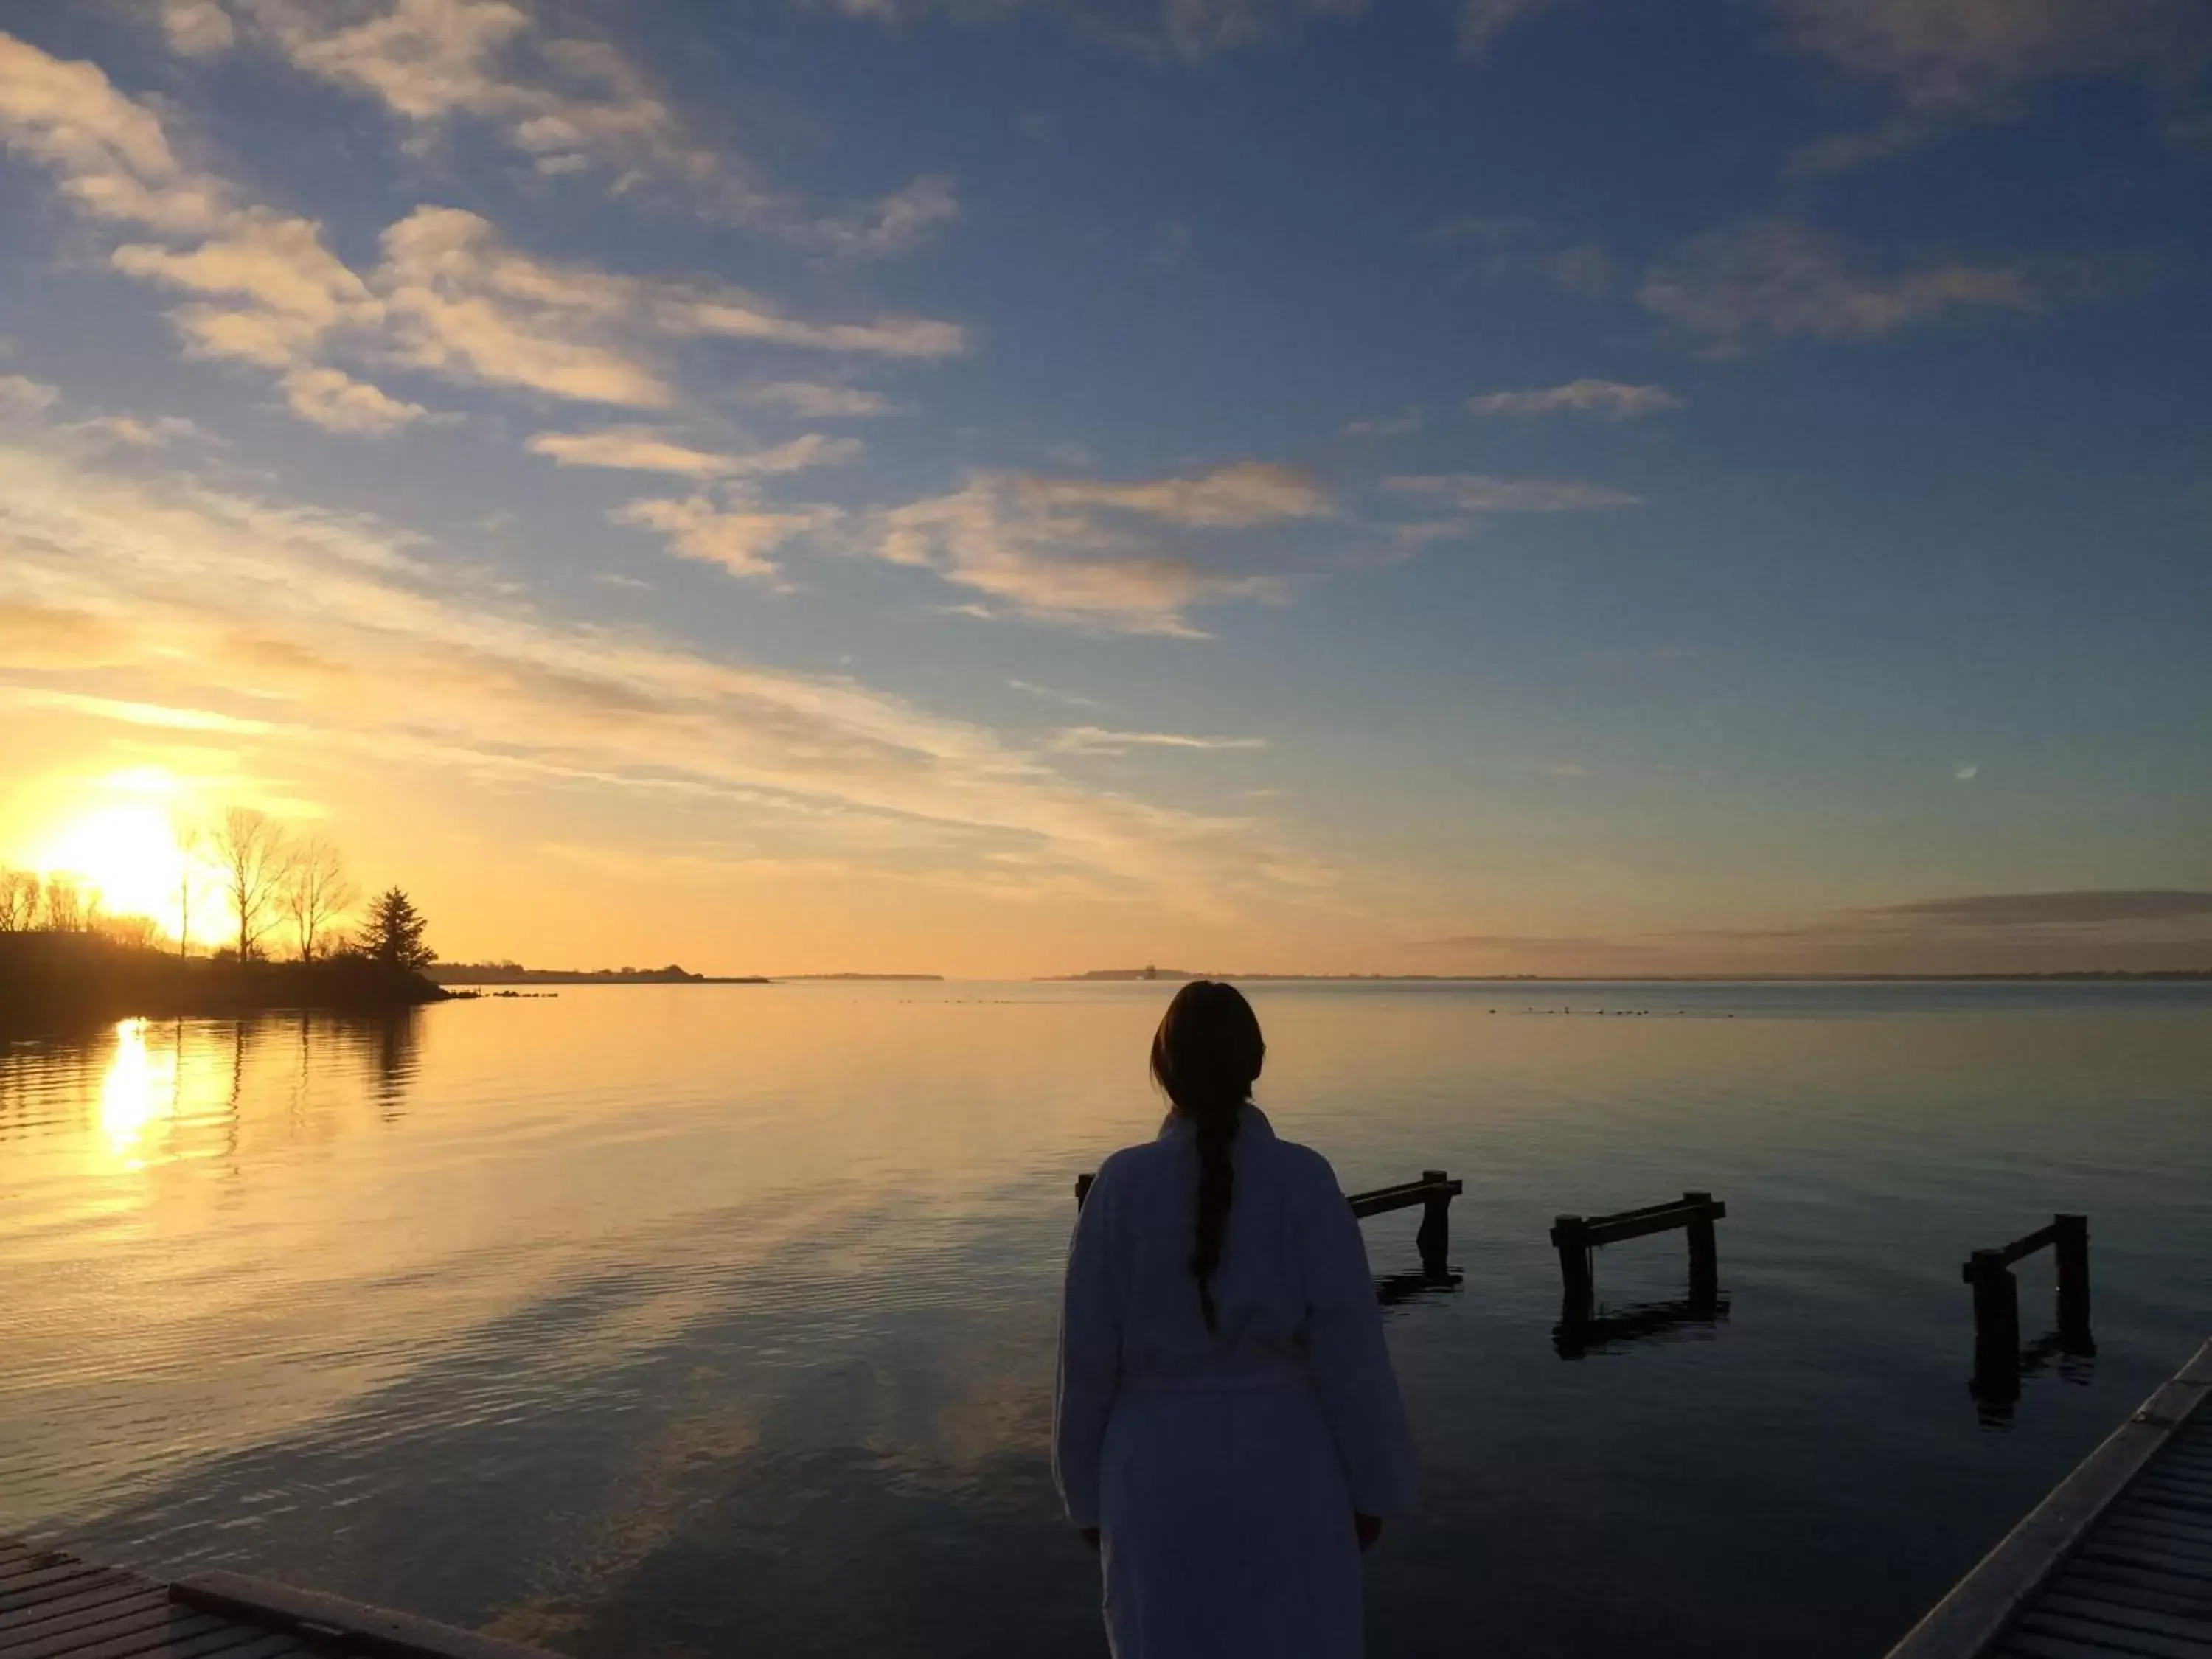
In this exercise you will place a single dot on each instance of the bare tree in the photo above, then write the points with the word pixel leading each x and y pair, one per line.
pixel 248 847
pixel 19 901
pixel 316 892
pixel 67 910
pixel 191 836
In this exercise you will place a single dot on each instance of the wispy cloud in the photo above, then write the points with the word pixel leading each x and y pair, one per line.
pixel 197 28
pixel 739 536
pixel 654 449
pixel 1773 280
pixel 1391 426
pixel 1068 698
pixel 1607 400
pixel 452 297
pixel 22 395
pixel 1504 247
pixel 812 400
pixel 1041 552
pixel 334 400
pixel 1478 493
pixel 2137 928
pixel 1097 740
pixel 1948 61
pixel 363 644
pixel 905 219
pixel 2081 907
pixel 1229 497
pixel 1483 22
pixel 565 105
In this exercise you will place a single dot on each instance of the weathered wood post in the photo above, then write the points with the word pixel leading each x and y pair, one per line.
pixel 1434 1238
pixel 1570 1236
pixel 1704 1250
pixel 1996 1328
pixel 2070 1243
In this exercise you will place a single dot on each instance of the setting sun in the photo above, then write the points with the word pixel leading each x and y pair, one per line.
pixel 118 838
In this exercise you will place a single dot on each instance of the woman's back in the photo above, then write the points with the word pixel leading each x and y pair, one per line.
pixel 1281 1254
pixel 1293 1296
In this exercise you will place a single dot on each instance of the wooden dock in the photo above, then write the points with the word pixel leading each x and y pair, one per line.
pixel 54 1606
pixel 2116 1563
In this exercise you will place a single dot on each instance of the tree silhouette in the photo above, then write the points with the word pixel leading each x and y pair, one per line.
pixel 316 892
pixel 393 935
pixel 21 891
pixel 249 848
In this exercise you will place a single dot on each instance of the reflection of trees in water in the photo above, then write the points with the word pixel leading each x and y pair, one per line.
pixel 212 1085
pixel 390 1047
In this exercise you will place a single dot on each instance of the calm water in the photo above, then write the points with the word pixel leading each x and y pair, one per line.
pixel 687 1320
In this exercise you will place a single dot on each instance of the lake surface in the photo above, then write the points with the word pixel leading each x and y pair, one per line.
pixel 686 1320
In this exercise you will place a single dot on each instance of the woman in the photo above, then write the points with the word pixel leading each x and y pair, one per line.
pixel 1228 1433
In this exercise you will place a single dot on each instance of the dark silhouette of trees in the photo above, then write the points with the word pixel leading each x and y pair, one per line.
pixel 21 894
pixel 249 848
pixel 393 934
pixel 69 909
pixel 316 892
pixel 56 902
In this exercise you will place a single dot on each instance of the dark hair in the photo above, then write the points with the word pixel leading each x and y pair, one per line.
pixel 1205 1055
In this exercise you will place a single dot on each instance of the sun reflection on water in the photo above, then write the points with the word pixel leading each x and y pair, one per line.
pixel 138 1090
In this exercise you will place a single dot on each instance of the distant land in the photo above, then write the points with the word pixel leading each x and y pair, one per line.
pixel 884 979
pixel 1174 974
pixel 513 973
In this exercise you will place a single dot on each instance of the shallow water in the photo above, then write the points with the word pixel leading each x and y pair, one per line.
pixel 712 1320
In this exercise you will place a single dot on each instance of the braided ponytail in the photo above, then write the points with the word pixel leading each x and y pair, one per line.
pixel 1205 1055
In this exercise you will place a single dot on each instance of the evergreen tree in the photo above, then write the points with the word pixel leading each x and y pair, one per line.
pixel 394 933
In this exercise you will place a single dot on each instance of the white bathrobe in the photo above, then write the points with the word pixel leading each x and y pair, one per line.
pixel 1223 1468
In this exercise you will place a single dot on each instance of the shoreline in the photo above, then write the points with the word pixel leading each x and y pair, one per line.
pixel 56 984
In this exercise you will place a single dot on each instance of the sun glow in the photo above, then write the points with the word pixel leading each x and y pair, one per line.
pixel 117 836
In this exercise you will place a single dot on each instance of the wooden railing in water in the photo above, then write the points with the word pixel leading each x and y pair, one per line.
pixel 1433 1193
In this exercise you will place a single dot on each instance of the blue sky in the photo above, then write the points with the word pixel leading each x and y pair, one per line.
pixel 1535 486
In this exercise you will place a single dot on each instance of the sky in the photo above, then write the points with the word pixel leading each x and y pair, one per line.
pixel 1010 487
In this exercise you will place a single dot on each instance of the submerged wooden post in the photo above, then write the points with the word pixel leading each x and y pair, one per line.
pixel 1571 1236
pixel 1434 1238
pixel 2070 1244
pixel 1704 1249
pixel 1996 1328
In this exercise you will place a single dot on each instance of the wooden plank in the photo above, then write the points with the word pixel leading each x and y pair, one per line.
pixel 1403 1198
pixel 2150 1591
pixel 2129 1554
pixel 1984 1605
pixel 122 1588
pixel 2140 1508
pixel 2166 1540
pixel 2021 1248
pixel 48 1583
pixel 2147 1642
pixel 37 1603
pixel 367 1630
pixel 159 1617
pixel 232 1642
pixel 180 1627
pixel 60 1588
pixel 1619 1229
pixel 2035 1644
pixel 2072 1605
pixel 79 1611
pixel 2163 1485
pixel 2159 1487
